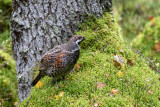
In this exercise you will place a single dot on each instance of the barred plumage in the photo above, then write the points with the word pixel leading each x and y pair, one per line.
pixel 60 60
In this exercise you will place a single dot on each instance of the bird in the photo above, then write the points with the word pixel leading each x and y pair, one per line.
pixel 60 60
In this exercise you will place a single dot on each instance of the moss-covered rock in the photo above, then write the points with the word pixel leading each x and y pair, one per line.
pixel 108 73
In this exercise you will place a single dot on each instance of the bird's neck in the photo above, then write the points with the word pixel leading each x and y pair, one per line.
pixel 72 47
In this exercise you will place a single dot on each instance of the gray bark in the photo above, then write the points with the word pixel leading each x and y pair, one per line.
pixel 39 25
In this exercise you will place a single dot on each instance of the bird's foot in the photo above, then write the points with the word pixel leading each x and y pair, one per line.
pixel 57 80
pixel 53 82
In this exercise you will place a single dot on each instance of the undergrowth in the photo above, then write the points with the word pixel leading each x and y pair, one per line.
pixel 108 73
pixel 8 81
pixel 134 14
pixel 148 41
pixel 5 42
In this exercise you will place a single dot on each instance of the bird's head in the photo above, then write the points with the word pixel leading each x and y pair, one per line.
pixel 77 39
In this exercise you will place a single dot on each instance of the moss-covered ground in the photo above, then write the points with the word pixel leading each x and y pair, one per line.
pixel 108 73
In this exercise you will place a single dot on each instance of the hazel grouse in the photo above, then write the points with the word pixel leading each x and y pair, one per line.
pixel 59 61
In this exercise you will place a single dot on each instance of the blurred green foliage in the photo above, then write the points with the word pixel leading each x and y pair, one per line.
pixel 139 20
pixel 5 42
pixel 8 81
pixel 134 14
pixel 5 13
pixel 149 41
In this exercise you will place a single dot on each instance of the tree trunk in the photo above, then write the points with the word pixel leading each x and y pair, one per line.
pixel 39 25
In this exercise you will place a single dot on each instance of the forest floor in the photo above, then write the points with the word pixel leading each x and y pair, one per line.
pixel 120 76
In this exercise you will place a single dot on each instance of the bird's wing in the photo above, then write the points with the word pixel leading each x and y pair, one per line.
pixel 49 58
pixel 61 58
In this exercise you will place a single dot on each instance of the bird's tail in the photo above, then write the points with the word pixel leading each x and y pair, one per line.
pixel 39 76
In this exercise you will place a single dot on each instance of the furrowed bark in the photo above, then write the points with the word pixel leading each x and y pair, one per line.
pixel 39 25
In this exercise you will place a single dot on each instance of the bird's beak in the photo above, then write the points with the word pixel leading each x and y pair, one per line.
pixel 84 38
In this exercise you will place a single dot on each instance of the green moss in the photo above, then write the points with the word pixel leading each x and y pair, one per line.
pixel 100 33
pixel 103 43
